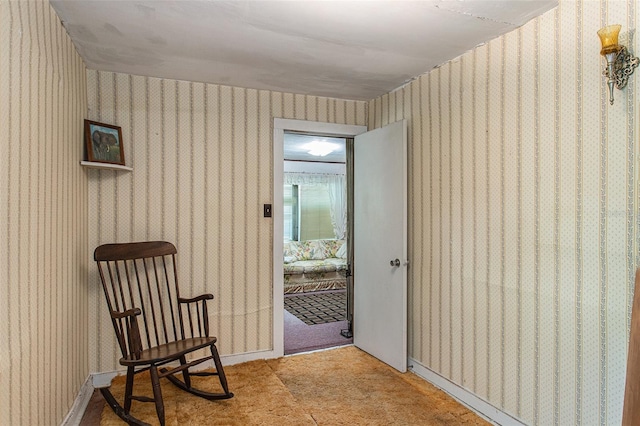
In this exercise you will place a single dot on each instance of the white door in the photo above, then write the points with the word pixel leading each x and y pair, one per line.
pixel 380 244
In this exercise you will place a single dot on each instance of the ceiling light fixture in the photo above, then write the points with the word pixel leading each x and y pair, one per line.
pixel 320 148
pixel 620 63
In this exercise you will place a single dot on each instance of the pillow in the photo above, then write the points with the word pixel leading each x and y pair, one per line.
pixel 317 250
pixel 289 259
pixel 294 250
pixel 333 246
pixel 342 252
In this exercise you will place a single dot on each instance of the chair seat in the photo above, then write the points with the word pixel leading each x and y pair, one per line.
pixel 168 352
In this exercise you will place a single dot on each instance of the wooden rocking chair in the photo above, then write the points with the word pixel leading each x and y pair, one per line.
pixel 141 280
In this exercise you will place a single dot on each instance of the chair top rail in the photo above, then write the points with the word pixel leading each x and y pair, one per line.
pixel 129 251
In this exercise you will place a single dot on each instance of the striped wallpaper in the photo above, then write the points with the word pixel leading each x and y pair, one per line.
pixel 523 217
pixel 43 203
pixel 202 159
pixel 523 195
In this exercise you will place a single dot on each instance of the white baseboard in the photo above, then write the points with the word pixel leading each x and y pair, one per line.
pixel 464 396
pixel 247 356
pixel 103 380
pixel 74 416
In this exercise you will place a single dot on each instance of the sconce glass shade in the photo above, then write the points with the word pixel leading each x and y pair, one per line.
pixel 620 63
pixel 609 39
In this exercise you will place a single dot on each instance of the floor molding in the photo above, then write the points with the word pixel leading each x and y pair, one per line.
pixel 464 396
pixel 74 416
pixel 248 356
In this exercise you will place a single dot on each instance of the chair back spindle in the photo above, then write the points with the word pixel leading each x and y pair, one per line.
pixel 144 276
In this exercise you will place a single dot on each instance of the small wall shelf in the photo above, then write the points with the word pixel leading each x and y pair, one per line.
pixel 105 166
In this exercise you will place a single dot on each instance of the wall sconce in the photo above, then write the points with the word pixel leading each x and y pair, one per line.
pixel 620 63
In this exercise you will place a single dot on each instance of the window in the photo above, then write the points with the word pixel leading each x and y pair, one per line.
pixel 307 212
pixel 315 213
pixel 291 213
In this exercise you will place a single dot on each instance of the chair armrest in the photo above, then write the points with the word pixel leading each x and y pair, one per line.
pixel 133 312
pixel 201 324
pixel 195 299
pixel 129 334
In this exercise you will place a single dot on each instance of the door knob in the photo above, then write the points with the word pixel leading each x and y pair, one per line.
pixel 395 262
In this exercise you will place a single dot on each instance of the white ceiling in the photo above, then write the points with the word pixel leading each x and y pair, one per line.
pixel 295 148
pixel 355 50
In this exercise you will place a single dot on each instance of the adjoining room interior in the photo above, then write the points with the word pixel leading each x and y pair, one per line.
pixel 315 242
pixel 522 183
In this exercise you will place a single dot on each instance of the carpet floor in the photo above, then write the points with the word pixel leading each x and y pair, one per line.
pixel 343 386
pixel 318 307
pixel 300 337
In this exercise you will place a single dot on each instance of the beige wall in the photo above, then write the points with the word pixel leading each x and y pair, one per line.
pixel 523 217
pixel 202 168
pixel 523 225
pixel 43 203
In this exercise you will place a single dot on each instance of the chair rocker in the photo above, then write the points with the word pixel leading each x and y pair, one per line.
pixel 141 280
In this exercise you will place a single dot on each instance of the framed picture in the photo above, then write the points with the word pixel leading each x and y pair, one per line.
pixel 104 143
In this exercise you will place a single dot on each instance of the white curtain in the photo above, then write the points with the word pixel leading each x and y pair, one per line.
pixel 338 198
pixel 337 188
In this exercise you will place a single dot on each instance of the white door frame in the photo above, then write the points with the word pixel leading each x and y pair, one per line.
pixel 280 125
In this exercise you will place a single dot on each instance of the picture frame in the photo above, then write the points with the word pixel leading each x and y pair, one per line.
pixel 103 142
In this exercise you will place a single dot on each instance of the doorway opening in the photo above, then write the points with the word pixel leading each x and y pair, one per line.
pixel 280 125
pixel 316 249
